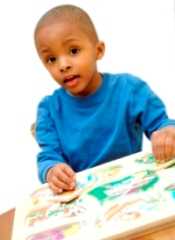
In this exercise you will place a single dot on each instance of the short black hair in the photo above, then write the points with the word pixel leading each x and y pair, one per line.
pixel 70 14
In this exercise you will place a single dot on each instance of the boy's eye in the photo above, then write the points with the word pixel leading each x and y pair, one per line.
pixel 51 59
pixel 74 51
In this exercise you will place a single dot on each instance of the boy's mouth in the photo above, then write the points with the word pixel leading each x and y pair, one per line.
pixel 71 81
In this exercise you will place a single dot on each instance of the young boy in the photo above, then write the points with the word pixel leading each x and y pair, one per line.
pixel 94 117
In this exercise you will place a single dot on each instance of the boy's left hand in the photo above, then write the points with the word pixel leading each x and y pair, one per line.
pixel 163 144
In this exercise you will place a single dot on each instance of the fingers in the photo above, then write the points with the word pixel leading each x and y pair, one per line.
pixel 60 174
pixel 60 178
pixel 163 144
pixel 54 188
pixel 157 146
pixel 169 148
pixel 68 170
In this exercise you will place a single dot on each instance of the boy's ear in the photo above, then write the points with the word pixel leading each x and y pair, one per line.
pixel 100 48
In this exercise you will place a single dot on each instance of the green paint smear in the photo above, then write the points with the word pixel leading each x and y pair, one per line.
pixel 149 159
pixel 53 213
pixel 171 190
pixel 149 184
pixel 101 192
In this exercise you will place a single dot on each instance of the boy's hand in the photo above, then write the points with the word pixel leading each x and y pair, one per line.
pixel 163 143
pixel 61 177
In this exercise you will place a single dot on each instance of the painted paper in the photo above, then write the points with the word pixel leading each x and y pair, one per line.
pixel 113 200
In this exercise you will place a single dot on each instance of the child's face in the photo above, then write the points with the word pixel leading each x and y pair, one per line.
pixel 70 57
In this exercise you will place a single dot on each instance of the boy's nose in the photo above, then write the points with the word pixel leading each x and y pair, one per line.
pixel 64 65
pixel 65 68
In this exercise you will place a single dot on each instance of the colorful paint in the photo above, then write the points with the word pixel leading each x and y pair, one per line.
pixel 115 194
pixel 56 233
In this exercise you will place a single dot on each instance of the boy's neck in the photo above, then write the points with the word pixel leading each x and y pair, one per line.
pixel 95 85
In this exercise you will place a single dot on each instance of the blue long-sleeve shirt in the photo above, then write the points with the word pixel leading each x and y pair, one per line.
pixel 106 125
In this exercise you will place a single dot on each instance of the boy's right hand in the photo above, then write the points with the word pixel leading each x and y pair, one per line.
pixel 60 178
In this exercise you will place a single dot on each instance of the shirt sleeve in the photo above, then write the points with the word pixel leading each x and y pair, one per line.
pixel 47 138
pixel 147 109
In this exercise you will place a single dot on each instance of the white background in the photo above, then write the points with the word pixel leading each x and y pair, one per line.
pixel 140 39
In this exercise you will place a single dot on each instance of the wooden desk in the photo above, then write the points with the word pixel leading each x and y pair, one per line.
pixel 6 224
pixel 164 233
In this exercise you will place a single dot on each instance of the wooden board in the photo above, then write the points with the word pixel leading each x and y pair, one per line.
pixel 123 198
